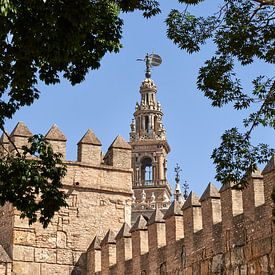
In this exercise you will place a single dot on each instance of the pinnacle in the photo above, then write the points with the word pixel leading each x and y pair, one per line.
pixel 225 187
pixel 95 244
pixel 192 200
pixel 90 138
pixel 210 192
pixel 55 134
pixel 156 217
pixel 270 165
pixel 109 238
pixel 257 173
pixel 174 210
pixel 120 143
pixel 124 232
pixel 21 130
pixel 4 139
pixel 148 83
pixel 140 224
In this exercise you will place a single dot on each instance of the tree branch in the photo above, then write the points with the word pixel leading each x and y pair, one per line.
pixel 265 2
pixel 10 140
pixel 271 91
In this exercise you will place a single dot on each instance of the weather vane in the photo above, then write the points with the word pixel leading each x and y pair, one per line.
pixel 150 61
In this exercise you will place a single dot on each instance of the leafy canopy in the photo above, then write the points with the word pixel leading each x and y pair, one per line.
pixel 46 40
pixel 242 31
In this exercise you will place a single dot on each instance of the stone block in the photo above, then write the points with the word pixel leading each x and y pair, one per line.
pixel 64 256
pixel 61 239
pixel 45 255
pixel 23 253
pixel 26 268
pixel 46 239
pixel 24 236
pixel 54 269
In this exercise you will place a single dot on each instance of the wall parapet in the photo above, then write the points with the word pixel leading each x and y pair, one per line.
pixel 216 233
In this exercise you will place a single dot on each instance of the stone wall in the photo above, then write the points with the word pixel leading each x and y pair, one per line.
pixel 99 198
pixel 223 232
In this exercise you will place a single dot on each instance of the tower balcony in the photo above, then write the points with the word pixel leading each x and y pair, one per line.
pixel 150 183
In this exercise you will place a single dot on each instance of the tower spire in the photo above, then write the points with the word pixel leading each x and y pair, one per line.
pixel 149 148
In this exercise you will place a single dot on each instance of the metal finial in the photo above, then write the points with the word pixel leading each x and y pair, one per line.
pixel 148 66
pixel 185 188
pixel 150 60
pixel 177 170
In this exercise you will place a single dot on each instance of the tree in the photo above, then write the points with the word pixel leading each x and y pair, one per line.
pixel 41 40
pixel 45 39
pixel 242 31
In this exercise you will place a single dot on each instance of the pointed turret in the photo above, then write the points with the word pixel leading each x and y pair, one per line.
pixel 4 144
pixel 89 149
pixel 123 248
pixel 90 138
pixel 55 134
pixel 21 130
pixel 192 200
pixel 140 224
pixel 156 217
pixel 270 165
pixel 120 143
pixel 57 140
pixel 139 232
pixel 119 153
pixel 20 136
pixel 210 192
pixel 108 251
pixel 124 232
pixel 110 237
pixel 94 256
pixel 175 209
pixel 95 244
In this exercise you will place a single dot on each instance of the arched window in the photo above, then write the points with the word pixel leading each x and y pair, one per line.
pixel 147 169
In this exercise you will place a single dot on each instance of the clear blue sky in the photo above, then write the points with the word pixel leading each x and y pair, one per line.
pixel 105 101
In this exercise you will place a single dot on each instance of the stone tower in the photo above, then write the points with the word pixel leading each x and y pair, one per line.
pixel 149 154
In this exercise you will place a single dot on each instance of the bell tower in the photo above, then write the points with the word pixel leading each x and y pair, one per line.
pixel 149 149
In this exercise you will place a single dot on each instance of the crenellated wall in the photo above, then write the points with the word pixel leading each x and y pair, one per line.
pixel 223 232
pixel 99 197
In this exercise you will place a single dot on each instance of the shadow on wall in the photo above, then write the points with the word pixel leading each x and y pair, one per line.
pixel 80 265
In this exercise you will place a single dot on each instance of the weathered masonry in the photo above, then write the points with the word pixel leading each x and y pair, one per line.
pixel 120 219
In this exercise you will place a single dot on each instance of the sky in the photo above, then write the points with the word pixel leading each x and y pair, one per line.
pixel 105 101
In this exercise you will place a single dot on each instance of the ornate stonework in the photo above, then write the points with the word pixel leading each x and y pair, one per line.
pixel 149 154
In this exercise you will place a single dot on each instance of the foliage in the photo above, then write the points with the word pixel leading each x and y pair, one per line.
pixel 45 40
pixel 34 181
pixel 243 31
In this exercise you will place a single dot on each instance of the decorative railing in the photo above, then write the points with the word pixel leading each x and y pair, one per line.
pixel 148 183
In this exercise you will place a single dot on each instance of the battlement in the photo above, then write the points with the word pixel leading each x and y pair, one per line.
pixel 99 189
pixel 223 232
pixel 88 148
